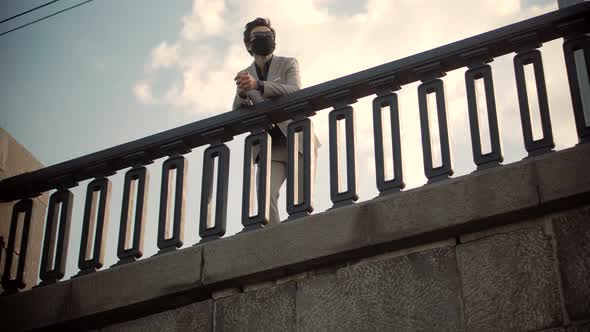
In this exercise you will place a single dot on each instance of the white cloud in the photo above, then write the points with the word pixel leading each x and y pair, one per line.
pixel 164 55
pixel 209 51
pixel 143 92
pixel 206 19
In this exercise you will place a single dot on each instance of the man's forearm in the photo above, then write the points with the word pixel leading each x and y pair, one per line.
pixel 273 89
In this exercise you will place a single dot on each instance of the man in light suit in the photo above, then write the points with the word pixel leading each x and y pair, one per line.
pixel 267 77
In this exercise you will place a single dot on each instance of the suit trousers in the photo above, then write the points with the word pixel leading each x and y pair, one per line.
pixel 278 175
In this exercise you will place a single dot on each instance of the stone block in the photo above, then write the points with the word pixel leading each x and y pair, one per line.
pixel 572 233
pixel 105 290
pixel 453 203
pixel 531 223
pixel 38 307
pixel 267 309
pixel 579 328
pixel 136 282
pixel 225 292
pixel 509 282
pixel 285 244
pixel 563 173
pixel 419 291
pixel 194 317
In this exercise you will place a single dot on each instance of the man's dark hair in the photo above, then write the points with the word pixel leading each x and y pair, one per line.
pixel 259 22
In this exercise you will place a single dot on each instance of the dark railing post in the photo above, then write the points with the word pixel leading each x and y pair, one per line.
pixel 12 285
pixel 572 45
pixel 386 97
pixel 494 157
pixel 300 200
pixel 257 150
pixel 176 162
pixel 136 177
pixel 57 237
pixel 432 84
pixel 545 144
pixel 342 112
pixel 221 152
pixel 94 226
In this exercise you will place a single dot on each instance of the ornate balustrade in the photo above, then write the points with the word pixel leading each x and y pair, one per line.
pixel 523 38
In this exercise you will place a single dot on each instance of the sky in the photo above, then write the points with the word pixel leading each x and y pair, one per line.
pixel 113 71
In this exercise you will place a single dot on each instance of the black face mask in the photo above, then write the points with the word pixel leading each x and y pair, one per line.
pixel 263 45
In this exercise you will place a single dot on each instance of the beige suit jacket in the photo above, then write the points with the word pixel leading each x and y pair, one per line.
pixel 283 78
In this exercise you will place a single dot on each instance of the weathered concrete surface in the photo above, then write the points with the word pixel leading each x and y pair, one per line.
pixel 579 328
pixel 575 328
pixel 266 309
pixel 15 159
pixel 564 173
pixel 105 290
pixel 453 203
pixel 285 244
pixel 381 220
pixel 419 291
pixel 150 278
pixel 194 317
pixel 509 282
pixel 572 233
pixel 36 308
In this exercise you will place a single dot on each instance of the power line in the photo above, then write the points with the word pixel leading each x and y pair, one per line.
pixel 28 11
pixel 45 17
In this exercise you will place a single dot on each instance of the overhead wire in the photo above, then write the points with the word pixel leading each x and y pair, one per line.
pixel 45 17
pixel 28 11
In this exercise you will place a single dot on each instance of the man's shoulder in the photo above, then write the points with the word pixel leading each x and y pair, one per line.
pixel 284 58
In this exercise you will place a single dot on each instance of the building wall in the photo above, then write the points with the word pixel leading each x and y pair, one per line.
pixel 15 160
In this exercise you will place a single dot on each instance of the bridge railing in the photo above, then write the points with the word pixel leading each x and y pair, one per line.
pixel 523 38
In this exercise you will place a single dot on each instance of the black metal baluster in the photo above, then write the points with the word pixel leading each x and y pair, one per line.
pixel 397 182
pixel 139 174
pixel 302 207
pixel 53 262
pixel 175 162
pixel 444 171
pixel 545 144
pixel 263 142
pixel 101 185
pixel 494 157
pixel 570 46
pixel 10 285
pixel 342 112
pixel 222 153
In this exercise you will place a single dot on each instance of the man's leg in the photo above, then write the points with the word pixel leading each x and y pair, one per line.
pixel 278 175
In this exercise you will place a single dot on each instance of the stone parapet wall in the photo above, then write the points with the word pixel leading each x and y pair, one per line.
pixel 504 249
pixel 530 276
